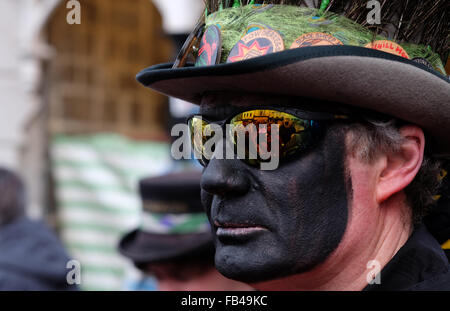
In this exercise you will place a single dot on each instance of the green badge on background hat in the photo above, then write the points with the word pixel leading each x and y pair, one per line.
pixel 174 223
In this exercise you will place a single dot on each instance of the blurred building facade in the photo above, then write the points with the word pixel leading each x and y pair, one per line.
pixel 66 87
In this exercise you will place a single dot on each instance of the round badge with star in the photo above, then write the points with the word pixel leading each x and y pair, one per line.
pixel 315 39
pixel 210 49
pixel 257 43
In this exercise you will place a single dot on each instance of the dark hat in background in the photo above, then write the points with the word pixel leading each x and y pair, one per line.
pixel 173 193
pixel 173 223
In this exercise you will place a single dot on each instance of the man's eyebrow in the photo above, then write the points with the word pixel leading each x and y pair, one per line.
pixel 217 112
pixel 207 114
pixel 205 110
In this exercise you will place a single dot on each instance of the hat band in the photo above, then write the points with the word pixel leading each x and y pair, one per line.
pixel 175 223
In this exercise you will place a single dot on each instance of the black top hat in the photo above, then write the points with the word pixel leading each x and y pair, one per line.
pixel 173 223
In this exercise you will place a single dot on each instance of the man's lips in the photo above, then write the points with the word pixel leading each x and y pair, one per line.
pixel 237 230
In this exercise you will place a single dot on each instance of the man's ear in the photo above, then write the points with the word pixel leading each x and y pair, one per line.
pixel 401 168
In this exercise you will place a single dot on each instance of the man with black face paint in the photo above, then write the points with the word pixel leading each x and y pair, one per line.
pixel 277 233
pixel 344 209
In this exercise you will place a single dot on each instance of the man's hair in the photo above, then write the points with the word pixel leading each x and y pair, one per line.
pixel 12 197
pixel 370 139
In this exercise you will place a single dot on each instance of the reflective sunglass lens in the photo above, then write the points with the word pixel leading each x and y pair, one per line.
pixel 257 134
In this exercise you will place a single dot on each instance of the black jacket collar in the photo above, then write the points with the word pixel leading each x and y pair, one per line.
pixel 420 264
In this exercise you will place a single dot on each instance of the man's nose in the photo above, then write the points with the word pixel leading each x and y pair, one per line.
pixel 224 177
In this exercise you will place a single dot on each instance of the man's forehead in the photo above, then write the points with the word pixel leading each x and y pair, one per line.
pixel 222 103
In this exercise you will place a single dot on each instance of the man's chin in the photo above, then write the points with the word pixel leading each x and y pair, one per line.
pixel 251 276
pixel 234 263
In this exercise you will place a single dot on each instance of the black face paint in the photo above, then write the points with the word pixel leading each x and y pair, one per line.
pixel 302 206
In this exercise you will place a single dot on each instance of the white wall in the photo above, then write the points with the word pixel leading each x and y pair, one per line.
pixel 13 103
pixel 179 16
pixel 20 52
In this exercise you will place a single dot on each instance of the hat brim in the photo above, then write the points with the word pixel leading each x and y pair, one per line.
pixel 350 75
pixel 143 247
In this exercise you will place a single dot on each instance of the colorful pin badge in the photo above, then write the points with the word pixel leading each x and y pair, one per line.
pixel 315 39
pixel 257 43
pixel 388 47
pixel 210 47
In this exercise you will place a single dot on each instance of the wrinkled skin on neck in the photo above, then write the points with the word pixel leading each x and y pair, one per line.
pixel 303 205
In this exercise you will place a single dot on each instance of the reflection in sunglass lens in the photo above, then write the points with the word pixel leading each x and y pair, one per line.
pixel 293 134
pixel 197 126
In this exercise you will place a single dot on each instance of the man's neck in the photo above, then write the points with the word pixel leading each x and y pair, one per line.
pixel 368 245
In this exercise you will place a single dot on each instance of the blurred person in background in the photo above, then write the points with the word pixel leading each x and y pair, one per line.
pixel 31 256
pixel 174 242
